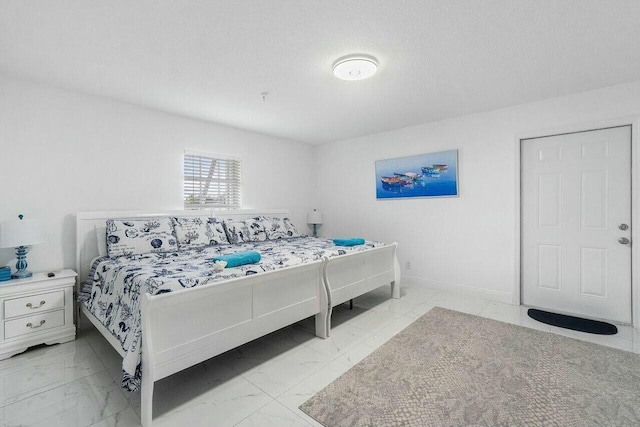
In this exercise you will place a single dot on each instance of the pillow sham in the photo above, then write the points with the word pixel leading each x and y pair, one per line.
pixel 137 237
pixel 279 228
pixel 198 231
pixel 245 230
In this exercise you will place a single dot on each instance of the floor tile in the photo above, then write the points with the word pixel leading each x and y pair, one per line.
pixel 458 303
pixel 356 354
pixel 77 404
pixel 303 391
pixel 278 374
pixel 322 378
pixel 39 351
pixel 343 337
pixel 514 314
pixel 51 370
pixel 607 340
pixel 628 333
pixel 300 393
pixel 273 414
pixel 260 350
pixel 419 294
pixel 624 340
pixel 308 326
pixel 107 354
pixel 295 397
pixel 126 418
pixel 420 310
pixel 396 326
pixel 376 340
pixel 261 383
pixel 224 404
pixel 213 371
pixel 297 334
pixel 134 398
pixel 343 314
pixel 197 379
pixel 387 303
pixel 372 320
pixel 115 370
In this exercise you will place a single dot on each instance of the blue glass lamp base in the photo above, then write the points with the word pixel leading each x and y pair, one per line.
pixel 21 265
pixel 23 274
pixel 315 230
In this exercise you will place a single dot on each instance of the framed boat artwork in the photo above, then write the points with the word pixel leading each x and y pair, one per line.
pixel 422 175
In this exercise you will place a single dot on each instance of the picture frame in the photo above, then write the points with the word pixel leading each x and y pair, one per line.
pixel 429 175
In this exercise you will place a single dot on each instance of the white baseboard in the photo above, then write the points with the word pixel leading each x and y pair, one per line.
pixel 467 291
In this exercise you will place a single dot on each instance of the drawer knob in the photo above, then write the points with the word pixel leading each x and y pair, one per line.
pixel 29 305
pixel 30 325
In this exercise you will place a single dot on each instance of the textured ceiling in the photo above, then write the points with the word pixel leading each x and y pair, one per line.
pixel 212 59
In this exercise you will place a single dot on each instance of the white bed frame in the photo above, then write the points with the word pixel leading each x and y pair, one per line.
pixel 349 276
pixel 181 329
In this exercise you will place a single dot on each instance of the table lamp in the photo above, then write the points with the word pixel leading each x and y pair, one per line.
pixel 314 218
pixel 20 234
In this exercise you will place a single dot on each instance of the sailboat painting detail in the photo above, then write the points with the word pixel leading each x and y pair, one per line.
pixel 422 175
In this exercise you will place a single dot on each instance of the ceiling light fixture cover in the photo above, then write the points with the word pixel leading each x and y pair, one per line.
pixel 355 67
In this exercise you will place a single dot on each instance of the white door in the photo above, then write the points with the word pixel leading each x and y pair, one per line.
pixel 576 215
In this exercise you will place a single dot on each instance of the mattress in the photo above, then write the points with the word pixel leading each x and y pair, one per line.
pixel 113 288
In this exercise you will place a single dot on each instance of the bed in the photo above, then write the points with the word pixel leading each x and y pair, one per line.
pixel 181 329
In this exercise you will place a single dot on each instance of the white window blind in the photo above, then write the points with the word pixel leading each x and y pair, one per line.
pixel 211 181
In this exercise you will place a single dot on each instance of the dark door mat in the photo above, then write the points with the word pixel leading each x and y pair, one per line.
pixel 573 323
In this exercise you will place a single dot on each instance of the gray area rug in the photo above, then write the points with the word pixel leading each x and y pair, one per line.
pixel 455 369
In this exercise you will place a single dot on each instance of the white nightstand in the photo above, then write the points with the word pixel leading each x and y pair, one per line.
pixel 37 310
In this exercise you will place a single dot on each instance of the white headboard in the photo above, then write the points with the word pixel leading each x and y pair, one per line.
pixel 87 222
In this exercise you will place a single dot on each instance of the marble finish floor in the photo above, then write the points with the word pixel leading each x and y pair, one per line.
pixel 259 384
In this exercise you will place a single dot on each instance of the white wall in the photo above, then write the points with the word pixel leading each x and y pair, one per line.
pixel 63 152
pixel 468 241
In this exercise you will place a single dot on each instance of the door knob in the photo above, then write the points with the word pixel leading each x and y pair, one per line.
pixel 623 240
pixel 623 227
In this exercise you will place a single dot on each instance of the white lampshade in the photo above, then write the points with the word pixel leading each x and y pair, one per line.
pixel 21 232
pixel 314 217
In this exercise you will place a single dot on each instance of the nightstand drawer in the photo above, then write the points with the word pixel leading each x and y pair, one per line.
pixel 33 304
pixel 33 324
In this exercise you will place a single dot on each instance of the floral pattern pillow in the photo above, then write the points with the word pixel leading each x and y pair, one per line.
pixel 279 228
pixel 138 237
pixel 198 231
pixel 245 230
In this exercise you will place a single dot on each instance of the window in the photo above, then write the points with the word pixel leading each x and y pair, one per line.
pixel 211 180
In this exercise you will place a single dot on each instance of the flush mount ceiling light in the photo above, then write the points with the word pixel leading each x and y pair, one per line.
pixel 355 67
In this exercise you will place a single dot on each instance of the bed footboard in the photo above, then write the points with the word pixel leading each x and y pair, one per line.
pixel 352 275
pixel 184 328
